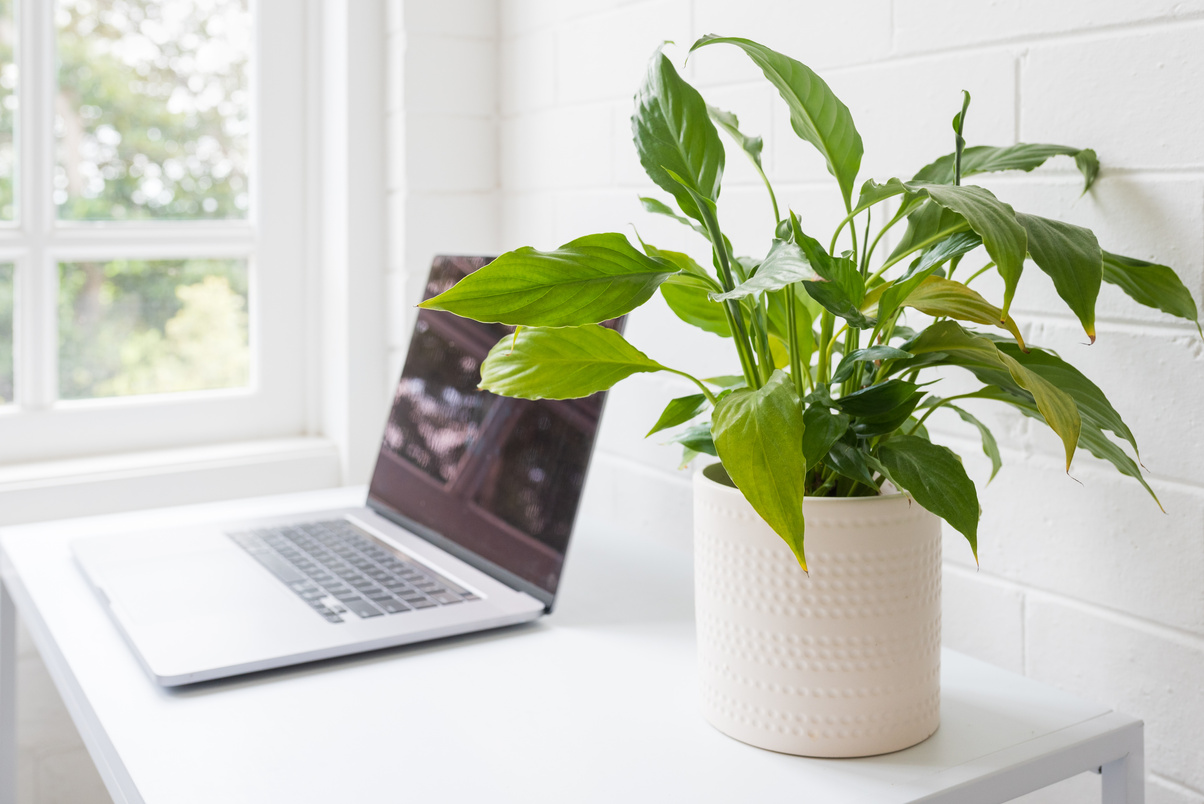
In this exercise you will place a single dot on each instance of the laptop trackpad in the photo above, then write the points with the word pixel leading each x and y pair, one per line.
pixel 217 582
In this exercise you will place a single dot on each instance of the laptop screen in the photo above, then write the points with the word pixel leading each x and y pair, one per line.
pixel 499 478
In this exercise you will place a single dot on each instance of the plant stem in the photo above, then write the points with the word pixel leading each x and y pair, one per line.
pixel 705 391
pixel 979 272
pixel 796 364
pixel 731 308
pixel 826 323
pixel 932 409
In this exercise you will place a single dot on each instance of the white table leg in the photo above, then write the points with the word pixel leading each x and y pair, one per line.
pixel 8 698
pixel 1124 778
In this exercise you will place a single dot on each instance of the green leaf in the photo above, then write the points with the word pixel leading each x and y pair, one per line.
pixel 871 353
pixel 694 306
pixel 784 265
pixel 935 477
pixel 888 420
pixel 949 344
pixel 1093 406
pixel 1022 156
pixel 928 225
pixel 952 246
pixel 944 297
pixel 759 437
pixel 840 291
pixel 848 460
pixel 591 279
pixel 730 125
pixel 661 208
pixel 679 411
pixel 1072 258
pixel 1152 285
pixel 561 363
pixel 821 429
pixel 673 132
pixel 990 446
pixel 995 222
pixel 697 439
pixel 877 400
pixel 816 114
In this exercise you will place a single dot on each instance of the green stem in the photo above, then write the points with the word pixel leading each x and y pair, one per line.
pixel 979 272
pixel 933 409
pixel 827 322
pixel 705 391
pixel 796 364
pixel 731 307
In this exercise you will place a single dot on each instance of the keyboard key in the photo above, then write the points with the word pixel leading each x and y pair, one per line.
pixel 363 608
pixel 446 598
pixel 393 606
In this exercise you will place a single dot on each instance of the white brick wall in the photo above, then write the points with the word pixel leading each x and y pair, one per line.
pixel 1088 587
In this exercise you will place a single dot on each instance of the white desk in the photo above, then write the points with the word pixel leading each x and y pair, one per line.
pixel 593 704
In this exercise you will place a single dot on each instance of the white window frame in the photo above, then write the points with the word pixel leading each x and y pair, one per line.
pixel 279 401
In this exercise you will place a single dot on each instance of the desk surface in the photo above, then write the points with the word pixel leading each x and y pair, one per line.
pixel 595 703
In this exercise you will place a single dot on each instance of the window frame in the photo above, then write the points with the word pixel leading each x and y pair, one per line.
pixel 274 239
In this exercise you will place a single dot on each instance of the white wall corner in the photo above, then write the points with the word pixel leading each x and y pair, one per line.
pixel 350 199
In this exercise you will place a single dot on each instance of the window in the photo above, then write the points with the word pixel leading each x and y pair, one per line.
pixel 152 246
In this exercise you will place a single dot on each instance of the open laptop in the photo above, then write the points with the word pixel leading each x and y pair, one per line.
pixel 465 528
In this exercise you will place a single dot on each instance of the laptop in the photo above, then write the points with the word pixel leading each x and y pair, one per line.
pixel 465 528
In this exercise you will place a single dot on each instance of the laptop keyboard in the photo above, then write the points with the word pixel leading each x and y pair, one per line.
pixel 336 568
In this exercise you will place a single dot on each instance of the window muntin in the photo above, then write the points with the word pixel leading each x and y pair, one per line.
pixel 6 333
pixel 8 109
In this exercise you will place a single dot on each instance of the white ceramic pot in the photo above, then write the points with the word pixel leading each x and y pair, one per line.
pixel 843 662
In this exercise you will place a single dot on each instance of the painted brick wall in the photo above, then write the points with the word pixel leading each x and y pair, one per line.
pixel 1088 587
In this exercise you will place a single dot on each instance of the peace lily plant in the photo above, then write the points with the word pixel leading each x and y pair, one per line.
pixel 830 399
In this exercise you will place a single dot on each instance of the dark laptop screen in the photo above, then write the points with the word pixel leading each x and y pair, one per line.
pixel 500 478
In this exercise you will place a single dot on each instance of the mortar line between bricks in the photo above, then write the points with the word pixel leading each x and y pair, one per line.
pixel 1174 784
pixel 1179 636
pixel 1058 460
pixel 1127 326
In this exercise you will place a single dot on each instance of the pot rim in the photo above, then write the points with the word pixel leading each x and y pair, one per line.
pixel 723 488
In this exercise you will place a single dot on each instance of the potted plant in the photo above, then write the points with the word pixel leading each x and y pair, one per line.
pixel 822 432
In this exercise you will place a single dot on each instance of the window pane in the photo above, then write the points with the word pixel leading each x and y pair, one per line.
pixel 152 109
pixel 8 108
pixel 6 333
pixel 148 327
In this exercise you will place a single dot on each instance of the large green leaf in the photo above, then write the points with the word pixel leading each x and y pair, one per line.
pixel 840 290
pixel 1022 156
pixel 877 400
pixel 1072 258
pixel 694 306
pixel 995 222
pixel 822 429
pixel 696 439
pixel 935 477
pixel 929 261
pixel 561 363
pixel 759 436
pixel 679 411
pixel 846 459
pixel 936 297
pixel 1092 404
pixel 661 208
pixel 947 343
pixel 816 114
pixel 784 265
pixel 591 279
pixel 929 225
pixel 673 132
pixel 1152 285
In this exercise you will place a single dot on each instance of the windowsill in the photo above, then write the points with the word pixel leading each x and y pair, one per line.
pixel 129 481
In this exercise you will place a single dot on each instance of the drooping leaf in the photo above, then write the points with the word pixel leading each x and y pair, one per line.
pixel 679 411
pixel 944 297
pixel 1093 406
pixel 1022 156
pixel 871 353
pixel 1072 258
pixel 661 208
pixel 821 429
pixel 935 477
pixel 949 344
pixel 990 446
pixel 561 363
pixel 816 114
pixel 673 132
pixel 877 400
pixel 1152 285
pixel 952 246
pixel 995 222
pixel 591 279
pixel 759 437
pixel 784 265
pixel 927 226
pixel 696 438
pixel 730 125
